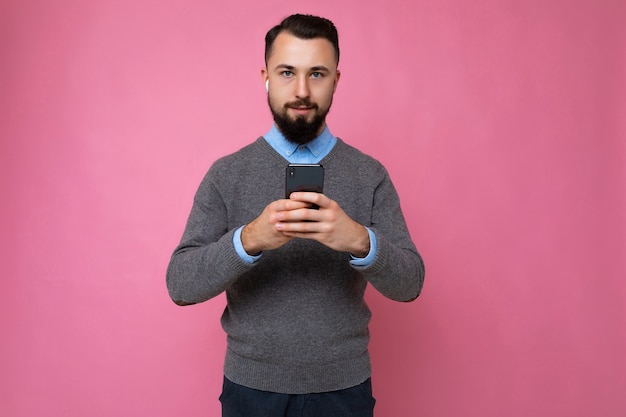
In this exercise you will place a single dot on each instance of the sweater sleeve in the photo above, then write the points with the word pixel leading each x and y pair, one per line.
pixel 205 262
pixel 398 271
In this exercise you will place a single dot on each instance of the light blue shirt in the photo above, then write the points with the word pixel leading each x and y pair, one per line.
pixel 311 153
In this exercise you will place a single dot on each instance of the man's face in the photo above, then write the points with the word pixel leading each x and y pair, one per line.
pixel 302 76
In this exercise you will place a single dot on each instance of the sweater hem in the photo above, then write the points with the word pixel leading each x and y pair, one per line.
pixel 293 379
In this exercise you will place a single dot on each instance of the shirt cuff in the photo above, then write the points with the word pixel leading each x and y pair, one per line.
pixel 240 250
pixel 370 256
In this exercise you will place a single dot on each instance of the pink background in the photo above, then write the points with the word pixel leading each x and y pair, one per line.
pixel 503 124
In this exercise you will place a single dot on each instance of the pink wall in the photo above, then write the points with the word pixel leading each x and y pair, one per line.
pixel 501 122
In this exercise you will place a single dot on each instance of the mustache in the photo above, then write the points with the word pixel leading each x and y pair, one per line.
pixel 302 103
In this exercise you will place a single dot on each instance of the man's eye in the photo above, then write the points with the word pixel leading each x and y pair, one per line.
pixel 287 73
pixel 317 75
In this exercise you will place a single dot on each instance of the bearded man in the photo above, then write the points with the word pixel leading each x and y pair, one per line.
pixel 295 277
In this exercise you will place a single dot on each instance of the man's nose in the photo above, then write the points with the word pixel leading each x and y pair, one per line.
pixel 302 87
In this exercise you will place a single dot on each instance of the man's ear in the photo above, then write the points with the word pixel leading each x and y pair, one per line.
pixel 337 76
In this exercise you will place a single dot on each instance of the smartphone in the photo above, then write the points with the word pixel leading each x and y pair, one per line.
pixel 304 177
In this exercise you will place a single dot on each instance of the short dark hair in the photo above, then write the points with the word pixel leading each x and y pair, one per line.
pixel 303 27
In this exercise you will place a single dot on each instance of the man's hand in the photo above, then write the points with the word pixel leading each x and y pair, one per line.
pixel 262 233
pixel 329 225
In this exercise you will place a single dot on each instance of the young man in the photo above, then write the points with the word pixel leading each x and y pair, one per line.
pixel 294 276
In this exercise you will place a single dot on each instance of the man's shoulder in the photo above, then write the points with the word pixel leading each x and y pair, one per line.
pixel 243 154
pixel 349 154
pixel 257 153
pixel 254 159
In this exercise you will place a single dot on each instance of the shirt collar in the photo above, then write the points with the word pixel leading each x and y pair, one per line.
pixel 317 146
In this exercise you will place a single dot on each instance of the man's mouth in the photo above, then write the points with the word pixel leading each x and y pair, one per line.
pixel 302 105
pixel 302 110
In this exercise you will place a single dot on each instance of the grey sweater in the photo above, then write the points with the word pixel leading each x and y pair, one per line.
pixel 296 320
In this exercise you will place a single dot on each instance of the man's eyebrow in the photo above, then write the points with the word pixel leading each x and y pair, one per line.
pixel 320 68
pixel 285 66
pixel 291 67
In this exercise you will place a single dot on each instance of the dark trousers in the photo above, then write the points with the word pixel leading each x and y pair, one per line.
pixel 240 401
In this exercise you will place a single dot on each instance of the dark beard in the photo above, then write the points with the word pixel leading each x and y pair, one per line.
pixel 298 130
